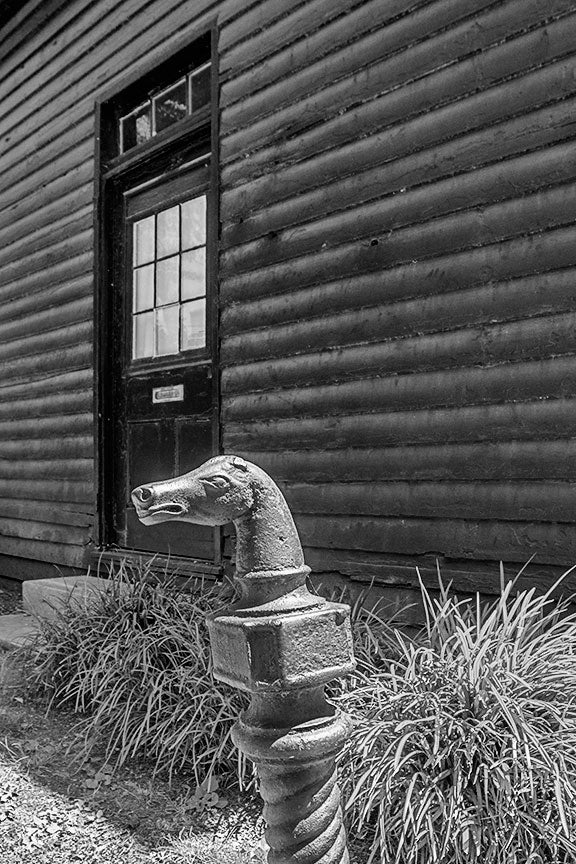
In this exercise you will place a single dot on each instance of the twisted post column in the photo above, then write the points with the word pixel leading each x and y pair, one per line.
pixel 279 643
pixel 283 652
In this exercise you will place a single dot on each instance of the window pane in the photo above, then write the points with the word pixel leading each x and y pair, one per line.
pixel 194 222
pixel 194 274
pixel 143 339
pixel 170 106
pixel 200 86
pixel 193 325
pixel 168 232
pixel 167 330
pixel 144 241
pixel 135 128
pixel 167 273
pixel 144 288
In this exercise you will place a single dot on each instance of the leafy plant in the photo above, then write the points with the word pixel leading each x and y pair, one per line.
pixel 136 663
pixel 464 745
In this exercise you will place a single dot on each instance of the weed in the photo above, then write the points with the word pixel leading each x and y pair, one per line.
pixel 136 664
pixel 464 746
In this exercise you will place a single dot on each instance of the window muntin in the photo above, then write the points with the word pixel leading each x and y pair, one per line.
pixel 172 104
pixel 169 281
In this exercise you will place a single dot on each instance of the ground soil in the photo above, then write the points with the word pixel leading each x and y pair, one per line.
pixel 58 808
pixel 10 596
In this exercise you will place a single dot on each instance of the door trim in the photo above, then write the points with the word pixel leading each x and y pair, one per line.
pixel 110 175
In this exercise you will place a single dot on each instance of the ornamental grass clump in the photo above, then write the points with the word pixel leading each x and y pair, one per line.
pixel 464 746
pixel 136 664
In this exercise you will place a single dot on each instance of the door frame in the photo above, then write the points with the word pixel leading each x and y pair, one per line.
pixel 176 147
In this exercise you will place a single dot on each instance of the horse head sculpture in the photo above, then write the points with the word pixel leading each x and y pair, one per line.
pixel 230 489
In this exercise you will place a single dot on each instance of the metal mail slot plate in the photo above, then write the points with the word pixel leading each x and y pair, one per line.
pixel 175 393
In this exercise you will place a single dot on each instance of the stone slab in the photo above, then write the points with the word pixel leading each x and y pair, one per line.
pixel 17 630
pixel 44 598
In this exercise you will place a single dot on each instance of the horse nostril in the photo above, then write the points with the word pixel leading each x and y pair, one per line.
pixel 143 495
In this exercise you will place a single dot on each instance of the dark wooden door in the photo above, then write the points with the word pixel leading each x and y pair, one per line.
pixel 163 394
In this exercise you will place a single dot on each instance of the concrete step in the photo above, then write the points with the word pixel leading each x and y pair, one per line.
pixel 17 630
pixel 44 598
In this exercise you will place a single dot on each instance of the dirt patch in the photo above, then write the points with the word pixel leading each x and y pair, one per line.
pixel 56 808
pixel 10 596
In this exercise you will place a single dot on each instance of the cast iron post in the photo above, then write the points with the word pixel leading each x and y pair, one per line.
pixel 281 644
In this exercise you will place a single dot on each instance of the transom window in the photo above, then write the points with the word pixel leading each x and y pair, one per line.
pixel 169 281
pixel 180 99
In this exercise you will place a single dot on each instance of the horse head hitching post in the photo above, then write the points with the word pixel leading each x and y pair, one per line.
pixel 281 644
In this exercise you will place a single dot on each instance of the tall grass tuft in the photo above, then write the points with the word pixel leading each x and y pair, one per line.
pixel 136 664
pixel 464 745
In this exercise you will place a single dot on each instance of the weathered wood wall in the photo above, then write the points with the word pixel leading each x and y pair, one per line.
pixel 398 327
pixel 56 58
pixel 397 283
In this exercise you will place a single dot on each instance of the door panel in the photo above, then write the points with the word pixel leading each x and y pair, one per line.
pixel 164 410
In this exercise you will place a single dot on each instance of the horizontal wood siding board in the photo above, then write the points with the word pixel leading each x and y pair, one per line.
pixel 52 318
pixel 428 38
pixel 411 240
pixel 57 152
pixel 349 21
pixel 437 247
pixel 44 428
pixel 135 34
pixel 270 26
pixel 506 460
pixel 61 469
pixel 279 50
pixel 52 32
pixel 411 571
pixel 59 403
pixel 52 210
pixel 21 369
pixel 497 183
pixel 54 279
pixel 407 130
pixel 44 512
pixel 524 502
pixel 304 354
pixel 103 24
pixel 56 489
pixel 64 382
pixel 59 337
pixel 73 446
pixel 395 162
pixel 65 292
pixel 42 550
pixel 72 245
pixel 60 54
pixel 507 382
pixel 42 531
pixel 452 81
pixel 522 421
pixel 540 294
pixel 367 199
pixel 552 544
pixel 258 16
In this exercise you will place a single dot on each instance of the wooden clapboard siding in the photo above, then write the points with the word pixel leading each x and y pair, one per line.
pixel 530 421
pixel 56 59
pixel 397 269
pixel 397 278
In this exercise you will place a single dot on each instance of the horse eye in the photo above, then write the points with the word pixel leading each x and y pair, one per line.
pixel 219 482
